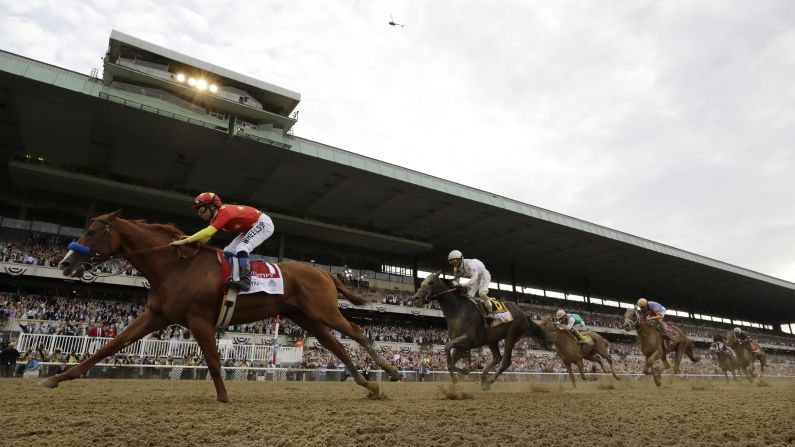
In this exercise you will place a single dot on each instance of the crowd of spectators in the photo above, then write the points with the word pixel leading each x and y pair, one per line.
pixel 48 254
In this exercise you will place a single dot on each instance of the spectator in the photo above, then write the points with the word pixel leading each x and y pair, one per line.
pixel 8 360
pixel 32 367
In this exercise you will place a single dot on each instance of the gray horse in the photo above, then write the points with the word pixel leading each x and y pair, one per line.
pixel 466 329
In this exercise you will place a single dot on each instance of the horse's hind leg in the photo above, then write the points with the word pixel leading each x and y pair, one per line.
pixel 144 324
pixel 510 341
pixel 496 358
pixel 353 331
pixel 204 332
pixel 325 338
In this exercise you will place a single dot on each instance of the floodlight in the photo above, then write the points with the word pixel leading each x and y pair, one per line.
pixel 213 88
pixel 201 84
pixel 191 81
pixel 180 77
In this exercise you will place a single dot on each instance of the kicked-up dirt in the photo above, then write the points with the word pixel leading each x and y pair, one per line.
pixel 96 412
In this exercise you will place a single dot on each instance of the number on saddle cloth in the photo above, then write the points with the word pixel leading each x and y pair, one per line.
pixel 498 306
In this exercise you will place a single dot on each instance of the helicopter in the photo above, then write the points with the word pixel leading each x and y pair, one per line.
pixel 392 21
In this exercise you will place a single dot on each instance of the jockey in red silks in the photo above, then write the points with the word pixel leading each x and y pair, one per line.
pixel 253 228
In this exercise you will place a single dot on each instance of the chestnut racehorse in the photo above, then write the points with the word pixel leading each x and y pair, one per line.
pixel 652 347
pixel 186 289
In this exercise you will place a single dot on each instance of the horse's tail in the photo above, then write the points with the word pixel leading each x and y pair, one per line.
pixel 537 332
pixel 346 292
pixel 691 353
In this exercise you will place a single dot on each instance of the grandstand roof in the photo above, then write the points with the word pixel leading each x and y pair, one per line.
pixel 101 142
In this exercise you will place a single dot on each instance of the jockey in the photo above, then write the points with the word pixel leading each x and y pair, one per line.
pixel 570 322
pixel 742 337
pixel 722 346
pixel 253 228
pixel 654 313
pixel 478 275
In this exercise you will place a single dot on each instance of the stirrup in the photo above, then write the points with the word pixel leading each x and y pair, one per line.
pixel 240 285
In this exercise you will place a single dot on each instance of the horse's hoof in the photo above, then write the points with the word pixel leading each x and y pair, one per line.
pixel 485 387
pixel 47 383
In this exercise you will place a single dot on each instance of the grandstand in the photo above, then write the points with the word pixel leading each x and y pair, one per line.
pixel 159 127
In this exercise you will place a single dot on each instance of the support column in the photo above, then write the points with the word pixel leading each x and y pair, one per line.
pixel 587 294
pixel 282 239
pixel 90 213
pixel 414 277
pixel 513 281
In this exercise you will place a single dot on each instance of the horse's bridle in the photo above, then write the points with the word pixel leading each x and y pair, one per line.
pixel 96 257
pixel 634 323
pixel 92 251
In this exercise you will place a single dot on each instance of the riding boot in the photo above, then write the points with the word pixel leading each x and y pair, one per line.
pixel 244 282
pixel 489 316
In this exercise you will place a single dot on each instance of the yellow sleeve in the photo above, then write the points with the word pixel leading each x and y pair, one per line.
pixel 203 235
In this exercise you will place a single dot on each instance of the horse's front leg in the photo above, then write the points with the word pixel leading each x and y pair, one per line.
pixel 203 331
pixel 496 358
pixel 144 324
pixel 451 348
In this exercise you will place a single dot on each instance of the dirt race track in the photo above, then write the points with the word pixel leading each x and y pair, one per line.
pixel 96 412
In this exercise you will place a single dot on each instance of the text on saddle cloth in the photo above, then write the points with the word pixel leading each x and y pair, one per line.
pixel 265 277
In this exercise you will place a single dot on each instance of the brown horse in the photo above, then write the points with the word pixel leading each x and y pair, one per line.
pixel 725 361
pixel 652 347
pixel 186 289
pixel 569 351
pixel 746 357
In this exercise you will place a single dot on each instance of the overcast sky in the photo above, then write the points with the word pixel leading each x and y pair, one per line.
pixel 672 121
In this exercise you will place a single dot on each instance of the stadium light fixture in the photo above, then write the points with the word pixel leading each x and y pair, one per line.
pixel 201 84
pixel 180 77
pixel 191 81
pixel 213 88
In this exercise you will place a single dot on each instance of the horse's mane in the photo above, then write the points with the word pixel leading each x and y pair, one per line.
pixel 447 282
pixel 168 229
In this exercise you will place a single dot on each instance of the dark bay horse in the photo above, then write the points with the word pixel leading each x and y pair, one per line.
pixel 569 351
pixel 466 330
pixel 725 361
pixel 651 345
pixel 746 357
pixel 187 290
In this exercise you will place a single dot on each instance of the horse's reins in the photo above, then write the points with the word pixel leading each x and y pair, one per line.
pixel 437 295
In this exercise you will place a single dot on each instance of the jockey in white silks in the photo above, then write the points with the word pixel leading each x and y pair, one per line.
pixel 479 277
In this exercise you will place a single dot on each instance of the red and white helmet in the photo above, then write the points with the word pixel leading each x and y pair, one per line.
pixel 560 314
pixel 206 198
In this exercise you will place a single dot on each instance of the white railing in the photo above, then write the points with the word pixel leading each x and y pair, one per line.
pixel 164 348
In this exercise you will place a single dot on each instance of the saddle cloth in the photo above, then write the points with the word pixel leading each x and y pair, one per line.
pixel 501 313
pixel 585 336
pixel 265 277
pixel 755 348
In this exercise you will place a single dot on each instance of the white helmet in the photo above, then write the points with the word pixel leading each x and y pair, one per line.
pixel 455 254
pixel 561 313
pixel 737 330
pixel 642 302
